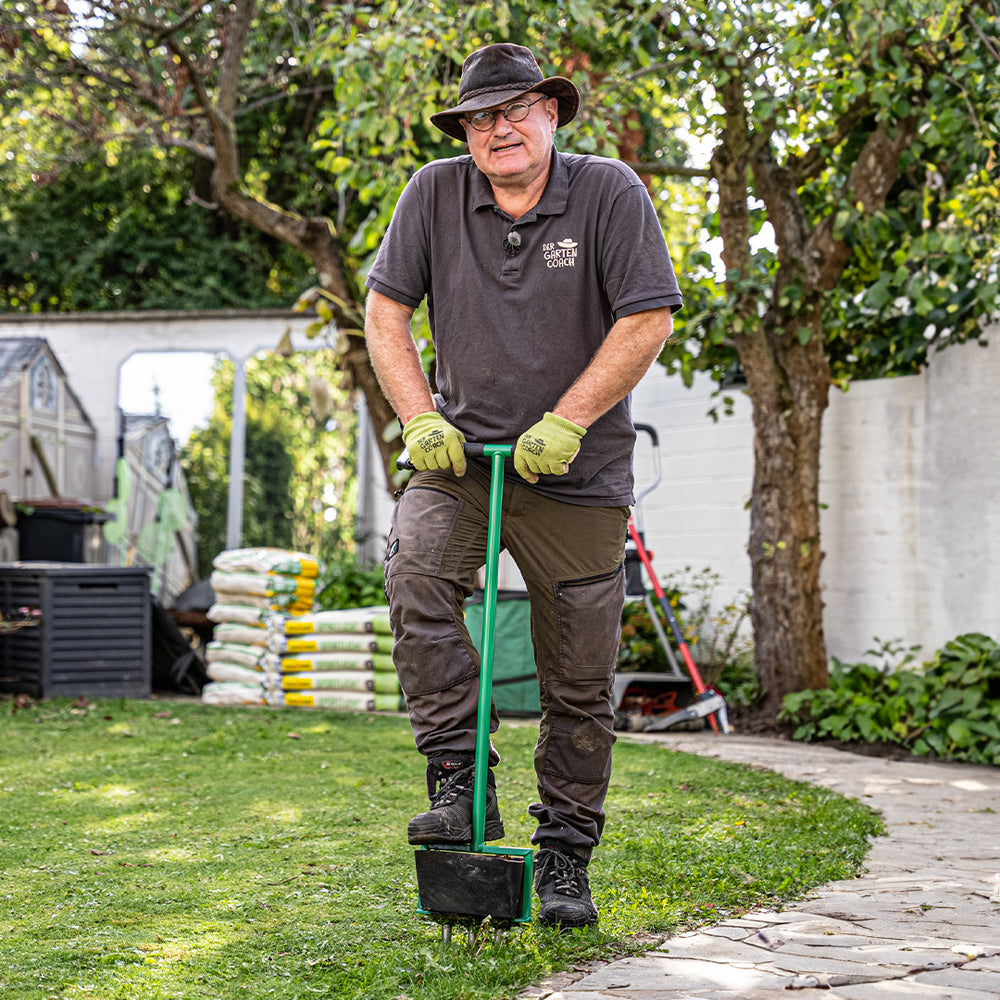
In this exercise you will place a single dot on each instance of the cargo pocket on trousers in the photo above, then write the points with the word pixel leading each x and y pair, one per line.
pixel 589 612
pixel 422 524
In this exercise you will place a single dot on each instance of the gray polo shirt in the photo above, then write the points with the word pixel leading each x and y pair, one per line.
pixel 513 332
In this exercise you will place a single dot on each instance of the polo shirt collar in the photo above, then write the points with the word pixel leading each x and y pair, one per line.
pixel 553 199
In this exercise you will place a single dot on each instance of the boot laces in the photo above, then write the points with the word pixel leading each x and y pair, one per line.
pixel 453 787
pixel 567 875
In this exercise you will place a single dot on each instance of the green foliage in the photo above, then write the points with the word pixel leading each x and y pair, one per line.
pixel 813 82
pixel 300 483
pixel 87 236
pixel 717 636
pixel 164 850
pixel 949 708
pixel 640 647
pixel 345 584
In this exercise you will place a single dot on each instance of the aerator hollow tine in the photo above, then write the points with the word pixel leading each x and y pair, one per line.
pixel 469 884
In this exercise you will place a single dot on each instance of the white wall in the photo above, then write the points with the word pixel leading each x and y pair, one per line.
pixel 698 515
pixel 92 347
pixel 910 480
pixel 910 474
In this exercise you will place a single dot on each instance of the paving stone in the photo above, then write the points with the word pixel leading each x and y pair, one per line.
pixel 638 976
pixel 789 916
pixel 880 953
pixel 906 989
pixel 727 931
pixel 574 995
pixel 822 933
pixel 961 978
pixel 803 965
pixel 919 924
pixel 711 949
pixel 808 994
pixel 988 964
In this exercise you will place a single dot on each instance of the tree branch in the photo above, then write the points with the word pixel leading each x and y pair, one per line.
pixel 669 169
pixel 242 14
pixel 870 180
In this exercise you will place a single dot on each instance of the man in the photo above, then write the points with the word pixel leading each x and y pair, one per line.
pixel 550 292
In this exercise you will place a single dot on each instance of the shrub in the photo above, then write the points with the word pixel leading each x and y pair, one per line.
pixel 344 584
pixel 948 708
pixel 717 636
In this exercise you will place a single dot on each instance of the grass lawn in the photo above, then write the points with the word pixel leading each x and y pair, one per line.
pixel 159 850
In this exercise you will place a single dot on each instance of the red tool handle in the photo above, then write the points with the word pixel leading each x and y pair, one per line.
pixel 692 669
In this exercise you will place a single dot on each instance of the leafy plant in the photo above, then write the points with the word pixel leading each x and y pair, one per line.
pixel 640 647
pixel 948 708
pixel 300 483
pixel 345 584
pixel 718 636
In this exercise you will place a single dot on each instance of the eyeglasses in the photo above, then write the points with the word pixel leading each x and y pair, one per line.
pixel 483 121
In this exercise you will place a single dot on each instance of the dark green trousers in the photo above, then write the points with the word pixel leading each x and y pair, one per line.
pixel 571 559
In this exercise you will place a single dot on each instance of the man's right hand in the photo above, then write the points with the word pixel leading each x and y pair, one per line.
pixel 434 444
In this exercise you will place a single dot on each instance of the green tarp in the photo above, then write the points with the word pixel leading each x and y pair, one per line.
pixel 515 687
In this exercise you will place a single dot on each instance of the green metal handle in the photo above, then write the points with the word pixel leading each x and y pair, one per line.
pixel 496 453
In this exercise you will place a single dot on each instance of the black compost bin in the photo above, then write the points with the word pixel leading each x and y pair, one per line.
pixel 93 635
pixel 57 532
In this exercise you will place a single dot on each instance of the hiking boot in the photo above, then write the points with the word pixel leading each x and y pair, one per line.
pixel 449 819
pixel 563 888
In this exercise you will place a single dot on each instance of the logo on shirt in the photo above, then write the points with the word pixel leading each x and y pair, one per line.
pixel 561 254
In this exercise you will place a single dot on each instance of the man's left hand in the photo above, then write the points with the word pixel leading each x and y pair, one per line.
pixel 547 447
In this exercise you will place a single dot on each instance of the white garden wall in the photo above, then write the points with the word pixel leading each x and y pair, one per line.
pixel 910 474
pixel 910 480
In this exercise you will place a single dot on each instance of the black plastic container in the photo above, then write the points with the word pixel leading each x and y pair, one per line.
pixel 61 534
pixel 93 637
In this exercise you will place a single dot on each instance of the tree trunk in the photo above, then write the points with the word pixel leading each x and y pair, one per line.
pixel 315 238
pixel 789 384
pixel 782 350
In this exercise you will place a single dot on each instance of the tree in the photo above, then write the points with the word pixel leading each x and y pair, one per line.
pixel 859 134
pixel 210 79
pixel 863 139
pixel 857 138
pixel 300 468
pixel 92 237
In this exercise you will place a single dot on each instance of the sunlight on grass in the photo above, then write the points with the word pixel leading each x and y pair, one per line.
pixel 182 855
pixel 283 814
pixel 120 729
pixel 220 858
pixel 116 791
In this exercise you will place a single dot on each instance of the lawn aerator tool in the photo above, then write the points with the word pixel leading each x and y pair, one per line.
pixel 707 702
pixel 468 884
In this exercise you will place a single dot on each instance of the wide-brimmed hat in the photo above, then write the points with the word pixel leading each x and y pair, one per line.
pixel 499 74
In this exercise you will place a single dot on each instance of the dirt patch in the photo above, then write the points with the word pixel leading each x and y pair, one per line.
pixel 751 722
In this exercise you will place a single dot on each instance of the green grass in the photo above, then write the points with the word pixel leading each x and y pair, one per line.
pixel 175 850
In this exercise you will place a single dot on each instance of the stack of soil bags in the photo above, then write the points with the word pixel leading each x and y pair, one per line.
pixel 332 659
pixel 251 585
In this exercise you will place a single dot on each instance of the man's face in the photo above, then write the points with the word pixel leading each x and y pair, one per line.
pixel 513 154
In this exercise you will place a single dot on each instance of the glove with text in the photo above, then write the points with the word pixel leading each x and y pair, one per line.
pixel 547 447
pixel 434 444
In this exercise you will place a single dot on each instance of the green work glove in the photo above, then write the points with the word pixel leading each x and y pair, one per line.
pixel 547 447
pixel 433 443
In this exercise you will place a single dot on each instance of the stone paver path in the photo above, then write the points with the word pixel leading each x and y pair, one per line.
pixel 923 923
